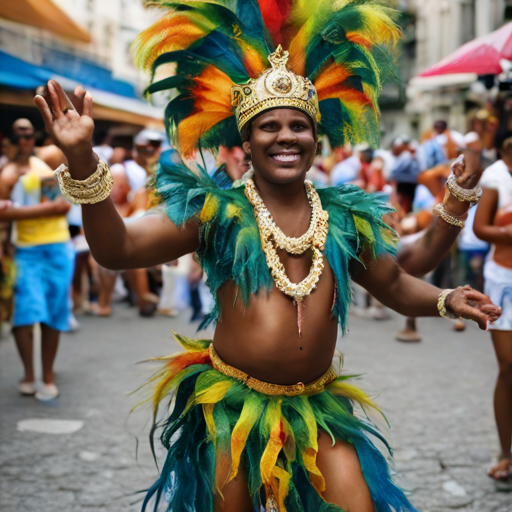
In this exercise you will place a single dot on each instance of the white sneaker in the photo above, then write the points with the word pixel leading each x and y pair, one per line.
pixel 27 388
pixel 74 324
pixel 47 392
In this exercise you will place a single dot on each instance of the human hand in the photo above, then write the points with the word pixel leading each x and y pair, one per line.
pixel 470 304
pixel 5 204
pixel 468 169
pixel 56 208
pixel 507 230
pixel 69 123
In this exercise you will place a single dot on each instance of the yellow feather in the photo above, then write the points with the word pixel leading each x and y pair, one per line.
pixel 232 211
pixel 310 453
pixel 210 423
pixel 275 443
pixel 214 394
pixel 284 486
pixel 174 31
pixel 353 393
pixel 250 413
pixel 364 228
pixel 210 208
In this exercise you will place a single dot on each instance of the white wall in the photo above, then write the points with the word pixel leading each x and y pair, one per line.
pixel 113 25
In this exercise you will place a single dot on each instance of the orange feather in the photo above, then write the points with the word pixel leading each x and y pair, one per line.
pixel 346 94
pixel 330 77
pixel 253 62
pixel 212 105
pixel 357 38
pixel 297 49
pixel 173 32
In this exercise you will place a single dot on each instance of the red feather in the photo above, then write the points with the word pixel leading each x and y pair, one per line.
pixel 275 14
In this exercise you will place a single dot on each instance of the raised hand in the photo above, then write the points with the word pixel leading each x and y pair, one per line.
pixel 473 305
pixel 468 167
pixel 70 128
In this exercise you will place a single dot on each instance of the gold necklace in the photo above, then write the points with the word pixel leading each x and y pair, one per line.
pixel 314 238
pixel 290 244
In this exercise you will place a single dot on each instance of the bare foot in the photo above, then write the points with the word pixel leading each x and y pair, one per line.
pixel 502 470
pixel 98 310
pixel 408 335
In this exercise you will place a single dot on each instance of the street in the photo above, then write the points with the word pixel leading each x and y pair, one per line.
pixel 437 395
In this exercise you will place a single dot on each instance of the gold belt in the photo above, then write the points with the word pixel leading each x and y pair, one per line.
pixel 268 388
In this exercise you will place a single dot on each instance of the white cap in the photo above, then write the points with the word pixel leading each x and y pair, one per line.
pixel 470 137
pixel 364 146
pixel 147 135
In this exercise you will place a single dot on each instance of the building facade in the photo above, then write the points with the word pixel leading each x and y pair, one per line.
pixel 90 45
pixel 442 26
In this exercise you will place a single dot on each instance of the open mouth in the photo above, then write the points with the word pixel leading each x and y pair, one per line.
pixel 287 158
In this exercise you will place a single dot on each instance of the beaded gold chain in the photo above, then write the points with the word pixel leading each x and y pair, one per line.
pixel 314 238
pixel 290 244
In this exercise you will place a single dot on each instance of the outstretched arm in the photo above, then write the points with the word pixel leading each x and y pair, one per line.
pixel 426 253
pixel 140 243
pixel 412 297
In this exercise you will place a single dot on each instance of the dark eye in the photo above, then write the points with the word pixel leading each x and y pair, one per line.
pixel 300 126
pixel 268 126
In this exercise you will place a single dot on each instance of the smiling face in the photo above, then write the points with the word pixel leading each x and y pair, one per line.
pixel 282 145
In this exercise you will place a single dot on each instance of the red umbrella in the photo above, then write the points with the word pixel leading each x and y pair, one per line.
pixel 481 56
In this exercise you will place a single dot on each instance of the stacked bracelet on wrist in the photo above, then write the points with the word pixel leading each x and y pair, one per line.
pixel 441 304
pixel 95 188
pixel 448 217
pixel 471 195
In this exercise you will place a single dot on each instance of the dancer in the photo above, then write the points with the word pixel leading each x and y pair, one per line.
pixel 492 223
pixel 259 416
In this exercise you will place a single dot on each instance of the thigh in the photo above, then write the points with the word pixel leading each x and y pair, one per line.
pixel 235 493
pixel 345 485
pixel 502 341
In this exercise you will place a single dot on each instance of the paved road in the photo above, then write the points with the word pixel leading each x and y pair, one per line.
pixel 436 394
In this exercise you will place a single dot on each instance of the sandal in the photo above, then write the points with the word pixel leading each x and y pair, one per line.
pixel 408 336
pixel 501 475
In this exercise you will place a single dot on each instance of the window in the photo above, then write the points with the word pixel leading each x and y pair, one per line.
pixel 467 21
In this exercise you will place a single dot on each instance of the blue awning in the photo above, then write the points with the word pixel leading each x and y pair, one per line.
pixel 71 71
pixel 20 74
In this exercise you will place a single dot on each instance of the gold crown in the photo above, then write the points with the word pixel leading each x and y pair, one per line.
pixel 275 87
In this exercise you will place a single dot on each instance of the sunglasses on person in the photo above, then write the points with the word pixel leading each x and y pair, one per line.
pixel 150 147
pixel 26 136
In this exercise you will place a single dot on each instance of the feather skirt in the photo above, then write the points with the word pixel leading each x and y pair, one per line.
pixel 218 426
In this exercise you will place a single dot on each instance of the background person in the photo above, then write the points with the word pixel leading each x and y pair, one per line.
pixel 493 224
pixel 43 258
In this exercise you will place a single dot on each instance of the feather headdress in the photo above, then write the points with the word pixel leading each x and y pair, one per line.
pixel 344 47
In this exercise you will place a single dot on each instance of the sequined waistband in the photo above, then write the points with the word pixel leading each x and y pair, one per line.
pixel 268 388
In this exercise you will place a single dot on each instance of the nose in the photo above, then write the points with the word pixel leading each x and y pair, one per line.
pixel 286 136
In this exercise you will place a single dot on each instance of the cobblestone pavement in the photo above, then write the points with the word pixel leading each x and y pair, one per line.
pixel 437 395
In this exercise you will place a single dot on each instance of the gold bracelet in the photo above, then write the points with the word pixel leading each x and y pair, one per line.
pixel 449 218
pixel 471 195
pixel 94 189
pixel 441 304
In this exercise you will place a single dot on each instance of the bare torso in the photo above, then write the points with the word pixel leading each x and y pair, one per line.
pixel 262 339
pixel 503 252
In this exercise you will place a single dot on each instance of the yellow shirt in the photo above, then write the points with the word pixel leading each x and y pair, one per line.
pixel 38 185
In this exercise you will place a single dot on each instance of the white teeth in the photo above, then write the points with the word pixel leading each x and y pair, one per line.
pixel 286 157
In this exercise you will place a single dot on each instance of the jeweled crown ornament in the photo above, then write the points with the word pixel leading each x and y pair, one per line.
pixel 275 87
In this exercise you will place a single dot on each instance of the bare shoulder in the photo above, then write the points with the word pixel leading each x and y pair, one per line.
pixel 9 176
